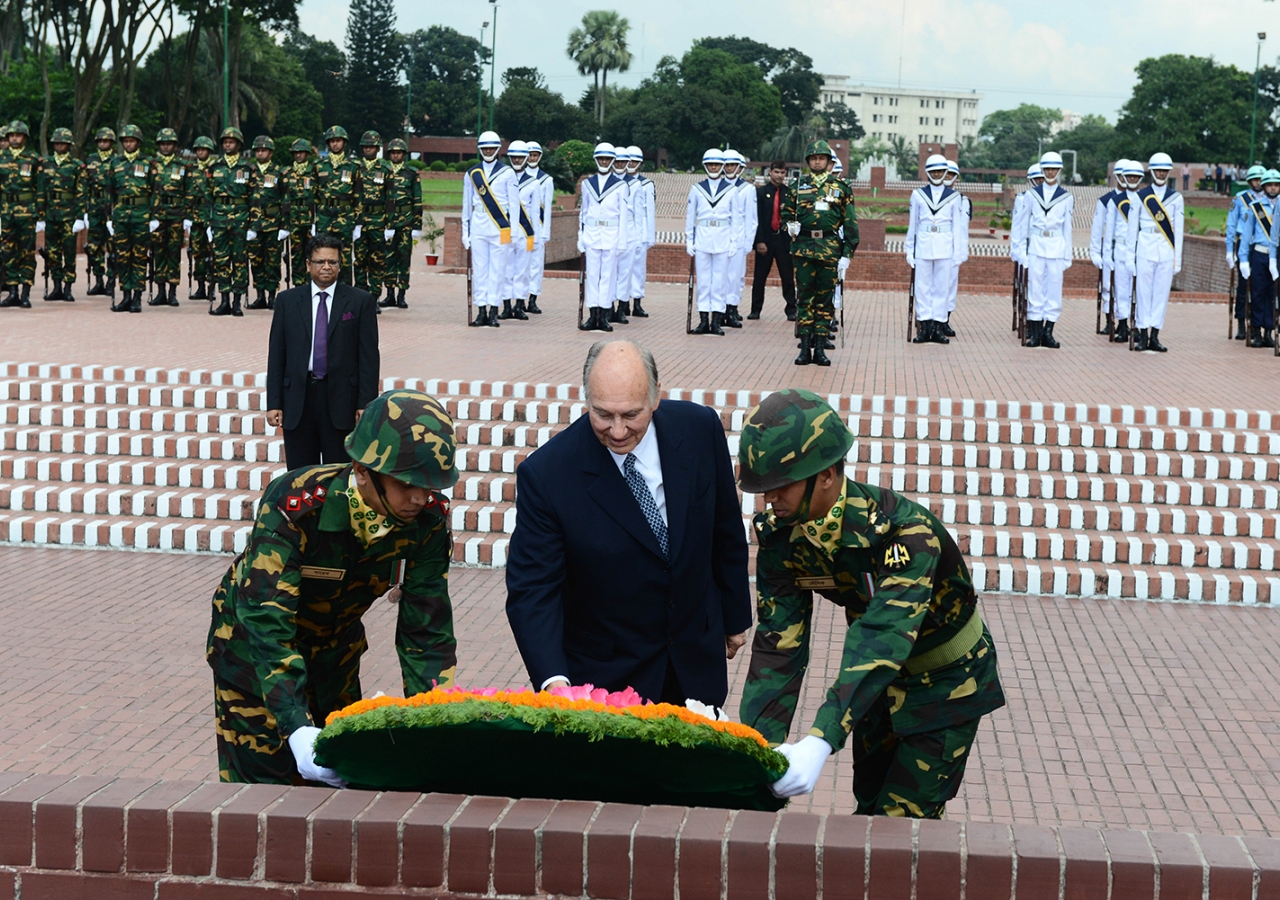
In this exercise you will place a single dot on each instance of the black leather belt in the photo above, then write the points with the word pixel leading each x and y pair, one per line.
pixel 313 379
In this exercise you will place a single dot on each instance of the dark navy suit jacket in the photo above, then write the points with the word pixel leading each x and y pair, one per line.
pixel 589 594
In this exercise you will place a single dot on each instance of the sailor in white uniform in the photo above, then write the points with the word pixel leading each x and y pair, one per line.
pixel 602 235
pixel 1047 212
pixel 937 232
pixel 1155 246
pixel 524 234
pixel 542 219
pixel 644 215
pixel 1115 239
pixel 1018 222
pixel 953 175
pixel 1097 254
pixel 745 213
pixel 490 196
pixel 712 231
pixel 622 285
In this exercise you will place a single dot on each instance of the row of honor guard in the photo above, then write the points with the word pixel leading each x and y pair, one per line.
pixel 720 230
pixel 240 216
pixel 937 244
pixel 1252 230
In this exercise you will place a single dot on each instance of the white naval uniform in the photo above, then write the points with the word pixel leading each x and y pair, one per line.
pixel 1115 254
pixel 627 253
pixel 1018 230
pixel 490 253
pixel 602 233
pixel 1047 212
pixel 541 215
pixel 745 198
pixel 964 256
pixel 712 230
pixel 521 254
pixel 1097 236
pixel 937 237
pixel 1156 260
pixel 644 214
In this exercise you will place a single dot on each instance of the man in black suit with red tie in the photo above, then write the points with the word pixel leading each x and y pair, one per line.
pixel 322 364
pixel 772 242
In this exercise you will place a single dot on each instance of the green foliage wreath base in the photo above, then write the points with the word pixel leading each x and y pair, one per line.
pixel 506 750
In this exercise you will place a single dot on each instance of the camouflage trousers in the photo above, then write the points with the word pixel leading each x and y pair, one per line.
pixel 97 243
pixel 201 253
pixel 342 228
pixel 371 259
pixel 299 234
pixel 399 258
pixel 912 775
pixel 815 287
pixel 264 258
pixel 231 257
pixel 166 251
pixel 129 250
pixel 60 247
pixel 19 243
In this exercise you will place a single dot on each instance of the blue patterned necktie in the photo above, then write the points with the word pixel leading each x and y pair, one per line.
pixel 648 506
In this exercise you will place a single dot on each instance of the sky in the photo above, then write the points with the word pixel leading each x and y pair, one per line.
pixel 1078 55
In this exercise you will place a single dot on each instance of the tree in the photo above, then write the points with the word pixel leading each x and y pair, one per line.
pixel 598 47
pixel 523 76
pixel 1015 137
pixel 906 156
pixel 323 65
pixel 1094 141
pixel 373 69
pixel 445 74
pixel 842 122
pixel 789 70
pixel 529 111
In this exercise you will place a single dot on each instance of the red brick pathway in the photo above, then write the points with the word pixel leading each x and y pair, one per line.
pixel 1121 714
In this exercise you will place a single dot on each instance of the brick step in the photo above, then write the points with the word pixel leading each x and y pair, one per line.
pixel 138 501
pixel 1072 578
pixel 1186 552
pixel 149 444
pixel 107 393
pixel 131 532
pixel 57 414
pixel 54 468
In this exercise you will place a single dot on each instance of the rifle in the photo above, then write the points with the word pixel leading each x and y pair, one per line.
pixel 1097 319
pixel 286 246
pixel 582 286
pixel 191 262
pixel 44 254
pixel 1024 277
pixel 1133 309
pixel 840 287
pixel 688 312
pixel 1017 279
pixel 1231 298
pixel 151 270
pixel 469 289
pixel 1111 313
pixel 911 306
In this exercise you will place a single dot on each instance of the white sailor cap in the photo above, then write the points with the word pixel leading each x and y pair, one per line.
pixel 953 168
pixel 517 148
pixel 489 139
pixel 1160 161
pixel 605 149
pixel 534 147
pixel 635 154
pixel 1051 160
pixel 714 155
pixel 935 162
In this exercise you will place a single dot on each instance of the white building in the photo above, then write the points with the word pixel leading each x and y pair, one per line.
pixel 1068 121
pixel 918 116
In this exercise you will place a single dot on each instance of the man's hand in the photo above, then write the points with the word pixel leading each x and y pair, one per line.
pixel 303 742
pixel 807 758
pixel 39 226
pixel 793 229
pixel 911 261
pixel 416 233
pixel 79 226
pixel 111 229
pixel 1245 269
pixel 355 233
pixel 208 232
pixel 733 643
pixel 552 682
pixel 762 248
pixel 186 224
pixel 1275 273
pixel 1097 260
pixel 388 233
pixel 1231 260
pixel 358 414
pixel 688 248
pixel 153 226
pixel 281 234
pixel 842 267
pixel 275 417
pixel 251 235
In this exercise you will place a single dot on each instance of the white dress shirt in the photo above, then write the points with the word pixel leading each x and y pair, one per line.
pixel 315 307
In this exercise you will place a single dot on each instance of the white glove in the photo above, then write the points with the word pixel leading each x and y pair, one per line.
pixel 415 234
pixel 793 229
pixel 39 226
pixel 86 221
pixel 78 227
pixel 1177 269
pixel 466 242
pixel 303 743
pixel 282 234
pixel 111 228
pixel 1245 269
pixel 388 233
pixel 313 229
pixel 186 224
pixel 688 248
pixel 1066 264
pixel 251 235
pixel 1097 260
pixel 582 248
pixel 843 267
pixel 1275 272
pixel 1231 260
pixel 806 757
pixel 355 234
pixel 153 226
pixel 911 262
pixel 208 232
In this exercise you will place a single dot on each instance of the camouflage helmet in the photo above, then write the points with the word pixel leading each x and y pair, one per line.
pixel 408 436
pixel 818 148
pixel 398 144
pixel 336 131
pixel 791 436
pixel 232 132
pixel 301 145
pixel 61 136
pixel 17 126
pixel 204 143
pixel 263 142
pixel 131 131
pixel 371 139
pixel 166 136
pixel 105 134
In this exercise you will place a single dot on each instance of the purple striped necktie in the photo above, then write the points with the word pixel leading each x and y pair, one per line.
pixel 320 339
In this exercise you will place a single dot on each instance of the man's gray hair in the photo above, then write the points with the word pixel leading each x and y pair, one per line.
pixel 650 367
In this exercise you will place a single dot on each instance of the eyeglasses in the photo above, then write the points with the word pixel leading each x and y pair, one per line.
pixel 324 263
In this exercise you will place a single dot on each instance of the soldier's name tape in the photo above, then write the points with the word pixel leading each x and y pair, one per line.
pixel 323 573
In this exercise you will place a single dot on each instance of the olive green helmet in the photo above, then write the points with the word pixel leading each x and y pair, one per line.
pixel 166 136
pixel 336 131
pixel 262 142
pixel 301 145
pixel 61 136
pixel 17 126
pixel 204 143
pixel 131 131
pixel 791 436
pixel 232 133
pixel 408 436
pixel 371 139
pixel 398 144
pixel 818 148
pixel 105 134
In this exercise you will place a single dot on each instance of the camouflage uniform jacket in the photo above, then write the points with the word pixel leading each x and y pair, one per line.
pixel 375 180
pixel 231 188
pixel 200 191
pixel 173 189
pixel 822 213
pixel 289 608
pixel 19 178
pixel 905 590
pixel 94 190
pixel 301 199
pixel 131 185
pixel 269 194
pixel 338 188
pixel 61 186
pixel 406 198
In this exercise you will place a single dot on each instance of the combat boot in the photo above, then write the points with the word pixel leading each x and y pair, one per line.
pixel 517 311
pixel 1122 332
pixel 533 305
pixel 160 298
pixel 56 293
pixel 271 299
pixel 25 302
pixel 479 320
pixel 66 292
pixel 400 302
pixel 235 305
pixel 201 293
pixel 136 305
pixel 492 320
pixel 258 302
pixel 924 332
pixel 1033 333
pixel 602 320
pixel 173 295
pixel 1140 340
pixel 1267 339
pixel 806 355
pixel 506 310
pixel 947 330
pixel 122 305
pixel 938 333
pixel 98 289
pixel 1255 336
pixel 1046 337
pixel 589 324
pixel 389 301
pixel 111 287
pixel 820 357
pixel 224 309
pixel 1153 343
pixel 637 310
pixel 1241 333
pixel 624 307
pixel 617 315
pixel 704 326
pixel 717 319
pixel 12 299
pixel 731 317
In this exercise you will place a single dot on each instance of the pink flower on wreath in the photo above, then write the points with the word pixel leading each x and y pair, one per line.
pixel 619 699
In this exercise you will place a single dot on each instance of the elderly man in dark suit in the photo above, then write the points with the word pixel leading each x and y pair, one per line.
pixel 628 564
pixel 772 242
pixel 322 364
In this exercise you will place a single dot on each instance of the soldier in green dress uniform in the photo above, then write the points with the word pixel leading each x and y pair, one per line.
pixel 267 219
pixel 918 670
pixel 61 182
pixel 338 193
pixel 300 208
pixel 824 234
pixel 404 201
pixel 201 218
pixel 172 209
pixel 131 184
pixel 286 637
pixel 23 212
pixel 232 181
pixel 97 202
pixel 371 249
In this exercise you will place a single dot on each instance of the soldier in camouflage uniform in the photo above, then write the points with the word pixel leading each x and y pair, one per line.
pixel 338 193
pixel 918 669
pixel 131 183
pixel 371 249
pixel 267 219
pixel 200 247
pixel 172 209
pixel 232 180
pixel 300 206
pixel 404 202
pixel 60 186
pixel 23 212
pixel 824 234
pixel 286 638
pixel 97 202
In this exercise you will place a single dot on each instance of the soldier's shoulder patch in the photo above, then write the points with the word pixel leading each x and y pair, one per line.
pixel 306 493
pixel 896 557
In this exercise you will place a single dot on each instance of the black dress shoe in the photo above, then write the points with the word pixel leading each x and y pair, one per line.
pixel 753 316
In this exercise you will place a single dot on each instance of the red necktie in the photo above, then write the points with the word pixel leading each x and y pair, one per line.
pixel 776 222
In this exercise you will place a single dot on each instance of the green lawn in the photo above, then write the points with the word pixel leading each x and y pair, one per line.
pixel 441 193
pixel 1210 219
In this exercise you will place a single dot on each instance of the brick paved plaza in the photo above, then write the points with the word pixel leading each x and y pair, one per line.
pixel 1155 715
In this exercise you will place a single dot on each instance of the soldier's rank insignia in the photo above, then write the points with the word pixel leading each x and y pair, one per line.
pixel 292 504
pixel 896 557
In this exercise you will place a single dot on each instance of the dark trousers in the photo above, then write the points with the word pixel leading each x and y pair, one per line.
pixel 314 440
pixel 779 250
pixel 1262 291
pixel 1242 294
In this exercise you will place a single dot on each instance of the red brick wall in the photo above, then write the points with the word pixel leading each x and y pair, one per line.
pixel 95 837
pixel 1204 265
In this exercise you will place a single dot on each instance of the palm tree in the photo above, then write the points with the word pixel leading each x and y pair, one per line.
pixel 599 46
